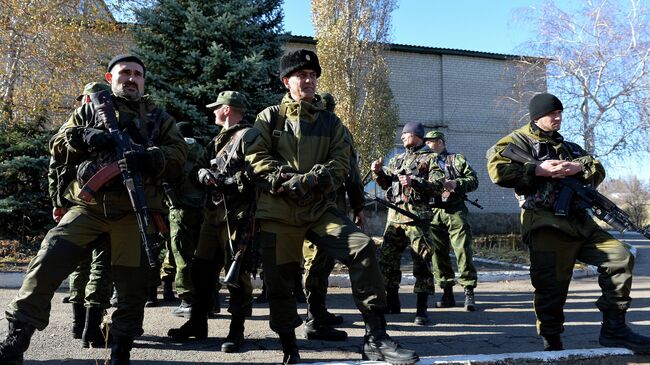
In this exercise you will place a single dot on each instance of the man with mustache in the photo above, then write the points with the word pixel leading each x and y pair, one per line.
pixel 84 140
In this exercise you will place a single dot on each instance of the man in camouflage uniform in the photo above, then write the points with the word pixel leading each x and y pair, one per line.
pixel 228 224
pixel 557 241
pixel 409 185
pixel 450 215
pixel 85 141
pixel 319 266
pixel 91 282
pixel 301 157
pixel 185 199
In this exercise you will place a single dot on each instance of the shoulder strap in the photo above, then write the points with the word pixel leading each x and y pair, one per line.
pixel 277 127
pixel 236 139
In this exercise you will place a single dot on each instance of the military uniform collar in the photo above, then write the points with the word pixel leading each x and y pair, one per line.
pixel 423 148
pixel 539 133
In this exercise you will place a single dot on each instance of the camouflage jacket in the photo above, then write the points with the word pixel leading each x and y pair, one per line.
pixel 417 162
pixel 184 191
pixel 310 136
pixel 453 166
pixel 237 197
pixel 157 132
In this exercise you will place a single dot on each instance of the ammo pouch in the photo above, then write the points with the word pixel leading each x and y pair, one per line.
pixel 89 168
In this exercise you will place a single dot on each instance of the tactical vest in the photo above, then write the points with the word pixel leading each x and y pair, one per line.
pixel 416 165
pixel 228 162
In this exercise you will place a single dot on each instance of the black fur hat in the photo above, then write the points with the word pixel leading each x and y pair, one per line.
pixel 298 60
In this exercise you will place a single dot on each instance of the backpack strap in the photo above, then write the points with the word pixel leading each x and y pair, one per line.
pixel 277 127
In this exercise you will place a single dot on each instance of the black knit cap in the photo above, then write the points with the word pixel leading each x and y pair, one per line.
pixel 125 58
pixel 542 104
pixel 185 128
pixel 415 128
pixel 299 60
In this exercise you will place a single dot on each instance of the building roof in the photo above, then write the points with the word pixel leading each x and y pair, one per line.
pixel 424 50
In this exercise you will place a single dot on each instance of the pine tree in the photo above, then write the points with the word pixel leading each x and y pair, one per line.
pixel 194 49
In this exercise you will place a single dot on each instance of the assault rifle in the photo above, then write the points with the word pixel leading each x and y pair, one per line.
pixel 584 195
pixel 103 104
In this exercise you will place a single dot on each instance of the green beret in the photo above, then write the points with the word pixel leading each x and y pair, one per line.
pixel 93 87
pixel 434 135
pixel 232 98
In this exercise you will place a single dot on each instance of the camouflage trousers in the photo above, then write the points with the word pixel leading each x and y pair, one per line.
pixel 91 283
pixel 553 253
pixel 184 229
pixel 396 238
pixel 64 247
pixel 454 233
pixel 214 249
pixel 340 239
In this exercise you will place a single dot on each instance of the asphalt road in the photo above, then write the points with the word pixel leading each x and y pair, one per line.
pixel 504 324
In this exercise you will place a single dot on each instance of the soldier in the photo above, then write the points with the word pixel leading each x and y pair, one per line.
pixel 301 157
pixel 410 186
pixel 318 266
pixel 84 140
pixel 227 226
pixel 185 199
pixel 450 215
pixel 556 242
pixel 91 282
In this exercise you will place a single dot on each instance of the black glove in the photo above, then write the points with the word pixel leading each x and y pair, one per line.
pixel 206 177
pixel 97 138
pixel 136 162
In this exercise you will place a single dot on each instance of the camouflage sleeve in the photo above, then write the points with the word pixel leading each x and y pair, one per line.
pixel 52 183
pixel 354 185
pixel 430 185
pixel 61 148
pixel 173 147
pixel 507 173
pixel 593 171
pixel 385 177
pixel 265 167
pixel 338 164
pixel 467 180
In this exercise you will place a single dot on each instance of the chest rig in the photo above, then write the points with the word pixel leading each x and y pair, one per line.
pixel 415 165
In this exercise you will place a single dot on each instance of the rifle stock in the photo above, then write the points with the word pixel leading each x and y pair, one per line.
pixel 105 110
pixel 588 197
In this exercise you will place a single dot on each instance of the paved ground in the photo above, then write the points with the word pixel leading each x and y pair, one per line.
pixel 503 328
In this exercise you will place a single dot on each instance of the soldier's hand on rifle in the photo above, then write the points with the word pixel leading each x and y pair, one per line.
pixel 569 168
pixel 97 138
pixel 206 177
pixel 556 169
pixel 377 165
pixel 136 162
pixel 405 180
pixel 450 185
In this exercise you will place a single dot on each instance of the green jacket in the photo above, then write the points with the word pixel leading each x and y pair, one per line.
pixel 159 133
pixel 537 195
pixel 352 186
pixel 458 169
pixel 186 192
pixel 311 136
pixel 417 162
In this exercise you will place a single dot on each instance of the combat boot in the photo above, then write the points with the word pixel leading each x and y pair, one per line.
pixel 235 337
pixel 319 331
pixel 378 346
pixel 421 317
pixel 331 319
pixel 289 348
pixel 168 291
pixel 152 297
pixel 552 343
pixel 447 300
pixel 78 320
pixel 616 333
pixel 470 305
pixel 194 327
pixel 121 351
pixel 16 343
pixel 92 335
pixel 393 305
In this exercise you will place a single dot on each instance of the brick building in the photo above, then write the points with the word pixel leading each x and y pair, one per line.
pixel 464 95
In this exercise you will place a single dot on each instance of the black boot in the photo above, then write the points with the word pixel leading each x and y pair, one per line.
pixel 92 335
pixel 447 300
pixel 318 331
pixel 393 305
pixel 616 333
pixel 235 337
pixel 552 343
pixel 121 351
pixel 289 348
pixel 152 298
pixel 78 320
pixel 16 343
pixel 194 327
pixel 421 317
pixel 331 319
pixel 168 291
pixel 378 346
pixel 470 305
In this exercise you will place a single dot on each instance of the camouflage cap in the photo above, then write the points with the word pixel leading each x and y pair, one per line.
pixel 232 98
pixel 93 87
pixel 434 135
